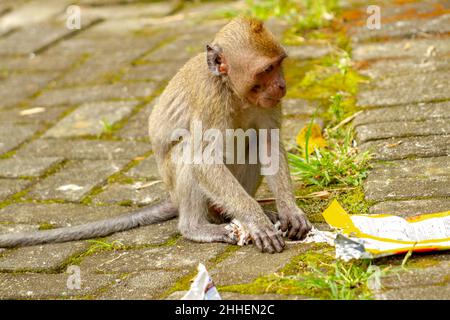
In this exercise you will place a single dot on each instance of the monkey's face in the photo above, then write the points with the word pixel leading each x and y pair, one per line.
pixel 267 86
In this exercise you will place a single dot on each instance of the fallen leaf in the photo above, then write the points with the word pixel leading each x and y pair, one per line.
pixel 316 140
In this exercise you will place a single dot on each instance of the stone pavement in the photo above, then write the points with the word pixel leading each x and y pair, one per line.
pixel 74 147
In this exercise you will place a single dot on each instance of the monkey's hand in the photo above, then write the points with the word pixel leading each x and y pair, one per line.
pixel 266 237
pixel 295 222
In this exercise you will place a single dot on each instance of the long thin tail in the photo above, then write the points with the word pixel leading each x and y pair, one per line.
pixel 145 216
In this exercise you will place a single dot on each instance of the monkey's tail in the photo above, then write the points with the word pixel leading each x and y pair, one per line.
pixel 145 216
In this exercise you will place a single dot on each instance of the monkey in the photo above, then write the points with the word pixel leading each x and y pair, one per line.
pixel 237 83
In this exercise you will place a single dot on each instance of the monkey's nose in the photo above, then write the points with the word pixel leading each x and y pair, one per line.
pixel 282 88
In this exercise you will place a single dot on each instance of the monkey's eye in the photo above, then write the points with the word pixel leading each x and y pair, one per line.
pixel 268 69
pixel 256 88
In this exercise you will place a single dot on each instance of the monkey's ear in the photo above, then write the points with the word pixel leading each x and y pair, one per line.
pixel 215 60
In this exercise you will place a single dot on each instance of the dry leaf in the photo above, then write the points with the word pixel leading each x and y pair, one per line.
pixel 316 140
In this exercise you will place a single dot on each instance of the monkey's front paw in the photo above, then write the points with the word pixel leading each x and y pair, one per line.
pixel 267 239
pixel 295 223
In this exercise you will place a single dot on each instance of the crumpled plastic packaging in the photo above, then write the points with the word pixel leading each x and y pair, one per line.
pixel 203 287
pixel 362 236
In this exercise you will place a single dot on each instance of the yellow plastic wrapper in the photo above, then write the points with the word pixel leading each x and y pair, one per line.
pixel 376 235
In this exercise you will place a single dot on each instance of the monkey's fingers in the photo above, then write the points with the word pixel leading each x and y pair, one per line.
pixel 300 227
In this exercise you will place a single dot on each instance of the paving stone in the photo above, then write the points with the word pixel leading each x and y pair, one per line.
pixel 404 29
pixel 144 285
pixel 40 62
pixel 75 180
pixel 181 256
pixel 37 115
pixel 119 11
pixel 31 13
pixel 78 95
pixel 18 87
pixel 419 168
pixel 308 51
pixel 438 292
pixel 408 208
pixel 401 148
pixel 391 68
pixel 36 37
pixel 430 87
pixel 9 187
pixel 435 274
pixel 146 169
pixel 248 263
pixel 89 119
pixel 155 234
pixel 137 126
pixel 16 228
pixel 58 214
pixel 12 136
pixel 25 167
pixel 177 295
pixel 405 188
pixel 297 107
pixel 39 258
pixel 397 114
pixel 125 193
pixel 403 48
pixel 101 67
pixel 85 149
pixel 162 71
pixel 49 286
pixel 376 131
pixel 438 80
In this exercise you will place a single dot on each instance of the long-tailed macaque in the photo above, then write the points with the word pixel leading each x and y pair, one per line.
pixel 237 83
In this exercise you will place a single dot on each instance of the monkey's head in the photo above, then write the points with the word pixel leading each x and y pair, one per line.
pixel 248 56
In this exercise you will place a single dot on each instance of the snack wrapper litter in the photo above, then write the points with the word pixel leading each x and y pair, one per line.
pixel 203 287
pixel 378 235
pixel 362 236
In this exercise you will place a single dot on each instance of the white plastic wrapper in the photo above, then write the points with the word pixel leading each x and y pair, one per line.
pixel 203 287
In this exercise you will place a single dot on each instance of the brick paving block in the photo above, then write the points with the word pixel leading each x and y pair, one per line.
pixel 16 228
pixel 403 29
pixel 297 108
pixel 40 62
pixel 408 208
pixel 85 149
pixel 438 80
pixel 9 187
pixel 27 13
pixel 248 263
pixel 31 115
pixel 391 68
pixel 308 51
pixel 181 256
pixel 377 131
pixel 161 72
pixel 12 136
pixel 419 168
pixel 143 285
pixel 78 95
pixel 146 169
pixel 120 193
pixel 75 180
pixel 401 148
pixel 58 214
pixel 25 167
pixel 406 188
pixel 91 118
pixel 16 88
pixel 113 11
pixel 137 126
pixel 399 49
pixel 410 112
pixel 39 258
pixel 155 234
pixel 437 292
pixel 50 286
pixel 404 95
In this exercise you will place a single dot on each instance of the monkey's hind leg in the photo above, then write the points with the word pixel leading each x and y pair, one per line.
pixel 194 223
